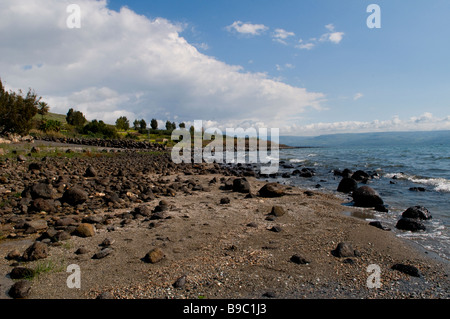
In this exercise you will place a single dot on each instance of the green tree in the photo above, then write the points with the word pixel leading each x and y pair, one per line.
pixel 143 125
pixel 136 124
pixel 154 124
pixel 75 118
pixel 100 129
pixel 43 109
pixel 17 110
pixel 122 123
pixel 182 125
pixel 170 126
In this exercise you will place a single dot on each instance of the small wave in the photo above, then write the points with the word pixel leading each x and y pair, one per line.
pixel 440 184
pixel 296 160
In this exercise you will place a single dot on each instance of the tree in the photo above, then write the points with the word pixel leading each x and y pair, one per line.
pixel 43 109
pixel 122 123
pixel 170 126
pixel 182 125
pixel 17 110
pixel 143 125
pixel 136 124
pixel 75 118
pixel 100 129
pixel 154 124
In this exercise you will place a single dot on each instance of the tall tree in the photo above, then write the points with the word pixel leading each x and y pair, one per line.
pixel 75 118
pixel 122 123
pixel 17 110
pixel 136 124
pixel 154 124
pixel 142 125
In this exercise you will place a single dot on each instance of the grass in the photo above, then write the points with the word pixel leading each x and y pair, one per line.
pixel 46 266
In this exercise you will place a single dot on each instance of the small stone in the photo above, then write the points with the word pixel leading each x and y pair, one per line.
pixel 180 282
pixel 276 229
pixel 20 289
pixel 277 211
pixel 107 242
pixel 224 201
pixel 297 259
pixel 269 294
pixel 105 295
pixel 82 251
pixel 252 224
pixel 13 255
pixel 154 256
pixel 85 230
pixel 103 253
pixel 345 250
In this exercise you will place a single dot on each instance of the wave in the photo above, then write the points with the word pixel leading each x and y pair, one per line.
pixel 440 184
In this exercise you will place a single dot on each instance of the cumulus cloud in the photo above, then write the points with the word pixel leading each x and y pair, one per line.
pixel 247 28
pixel 121 63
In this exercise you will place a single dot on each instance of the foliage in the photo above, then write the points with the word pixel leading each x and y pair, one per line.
pixel 50 126
pixel 17 110
pixel 75 118
pixel 154 124
pixel 122 123
pixel 99 129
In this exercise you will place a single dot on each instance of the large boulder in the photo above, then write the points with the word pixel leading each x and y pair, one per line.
pixel 360 176
pixel 345 249
pixel 42 190
pixel 241 185
pixel 410 224
pixel 366 196
pixel 418 212
pixel 272 190
pixel 74 196
pixel 347 185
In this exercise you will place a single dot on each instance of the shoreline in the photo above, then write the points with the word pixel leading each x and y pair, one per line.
pixel 226 250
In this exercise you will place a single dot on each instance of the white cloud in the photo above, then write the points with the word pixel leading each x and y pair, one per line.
pixel 424 122
pixel 280 35
pixel 122 63
pixel 357 96
pixel 247 28
pixel 334 37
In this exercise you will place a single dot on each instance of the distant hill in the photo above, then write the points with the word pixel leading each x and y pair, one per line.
pixel 370 139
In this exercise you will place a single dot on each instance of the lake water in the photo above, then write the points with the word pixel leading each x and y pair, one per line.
pixel 399 168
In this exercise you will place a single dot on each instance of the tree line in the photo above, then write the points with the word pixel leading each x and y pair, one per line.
pixel 18 112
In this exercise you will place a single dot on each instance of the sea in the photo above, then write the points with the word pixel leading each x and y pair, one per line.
pixel 396 170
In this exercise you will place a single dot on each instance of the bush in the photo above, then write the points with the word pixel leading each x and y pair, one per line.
pixel 100 129
pixel 50 126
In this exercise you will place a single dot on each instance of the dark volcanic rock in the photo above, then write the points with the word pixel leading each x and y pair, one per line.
pixel 41 204
pixel 407 269
pixel 90 172
pixel 21 273
pixel 42 190
pixel 360 176
pixel 20 289
pixel 241 185
pixel 36 251
pixel 419 212
pixel 345 250
pixel 224 200
pixel 410 224
pixel 347 185
pixel 75 196
pixel 272 190
pixel 378 224
pixel 366 196
pixel 297 259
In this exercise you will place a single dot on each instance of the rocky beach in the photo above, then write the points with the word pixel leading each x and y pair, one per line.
pixel 138 226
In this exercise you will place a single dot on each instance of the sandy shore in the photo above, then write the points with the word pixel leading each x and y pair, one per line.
pixel 232 251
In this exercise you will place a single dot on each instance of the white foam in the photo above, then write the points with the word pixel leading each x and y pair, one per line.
pixel 440 184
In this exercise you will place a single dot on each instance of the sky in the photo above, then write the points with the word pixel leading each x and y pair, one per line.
pixel 307 67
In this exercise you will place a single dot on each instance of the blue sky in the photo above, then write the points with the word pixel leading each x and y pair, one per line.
pixel 355 78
